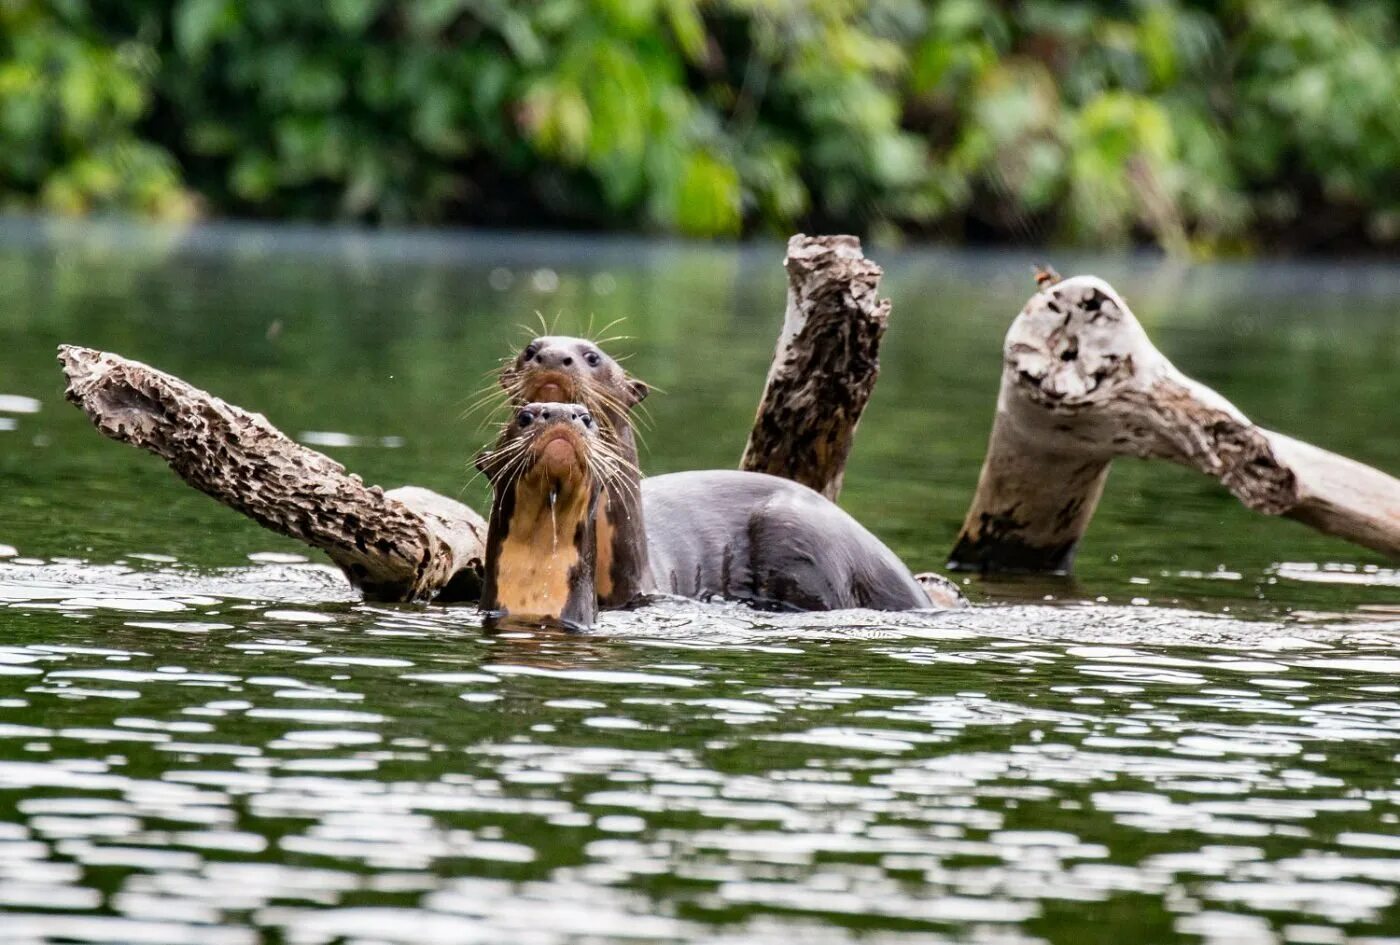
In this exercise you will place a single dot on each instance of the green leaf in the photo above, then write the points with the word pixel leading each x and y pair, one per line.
pixel 353 15
pixel 201 23
pixel 708 198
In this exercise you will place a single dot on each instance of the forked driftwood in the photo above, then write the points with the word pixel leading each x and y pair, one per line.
pixel 825 366
pixel 401 545
pixel 1082 384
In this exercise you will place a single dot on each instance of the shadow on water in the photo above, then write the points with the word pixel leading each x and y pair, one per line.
pixel 196 747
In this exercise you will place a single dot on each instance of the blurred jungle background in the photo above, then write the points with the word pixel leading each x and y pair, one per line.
pixel 1245 126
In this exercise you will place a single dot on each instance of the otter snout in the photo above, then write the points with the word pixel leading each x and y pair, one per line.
pixel 559 369
pixel 553 357
pixel 543 418
pixel 558 434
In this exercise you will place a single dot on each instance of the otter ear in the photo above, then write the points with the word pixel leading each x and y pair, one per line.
pixel 638 390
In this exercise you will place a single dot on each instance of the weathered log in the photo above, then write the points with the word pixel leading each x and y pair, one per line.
pixel 1082 384
pixel 825 365
pixel 401 545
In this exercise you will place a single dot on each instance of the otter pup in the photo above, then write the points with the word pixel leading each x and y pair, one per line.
pixel 547 472
pixel 719 533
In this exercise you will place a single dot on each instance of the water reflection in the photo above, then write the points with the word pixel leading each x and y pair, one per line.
pixel 277 760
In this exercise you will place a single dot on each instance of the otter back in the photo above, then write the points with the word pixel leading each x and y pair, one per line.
pixel 768 541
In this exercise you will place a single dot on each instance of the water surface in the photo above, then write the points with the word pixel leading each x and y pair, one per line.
pixel 205 737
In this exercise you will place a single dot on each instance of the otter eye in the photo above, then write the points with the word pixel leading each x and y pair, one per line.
pixel 592 358
pixel 530 350
pixel 525 418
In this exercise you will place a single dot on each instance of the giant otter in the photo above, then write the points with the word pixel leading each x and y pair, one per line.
pixel 725 533
pixel 547 474
pixel 766 541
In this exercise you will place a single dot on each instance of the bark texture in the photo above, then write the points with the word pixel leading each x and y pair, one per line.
pixel 1082 384
pixel 402 545
pixel 825 366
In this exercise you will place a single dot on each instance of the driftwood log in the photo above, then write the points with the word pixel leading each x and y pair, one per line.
pixel 400 545
pixel 1082 384
pixel 825 366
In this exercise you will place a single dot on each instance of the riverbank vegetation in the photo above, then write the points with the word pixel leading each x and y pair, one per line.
pixel 1201 127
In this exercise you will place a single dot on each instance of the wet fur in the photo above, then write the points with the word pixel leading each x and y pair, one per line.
pixel 538 568
pixel 770 542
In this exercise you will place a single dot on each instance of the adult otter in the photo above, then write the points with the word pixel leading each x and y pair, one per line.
pixel 768 541
pixel 723 533
pixel 547 472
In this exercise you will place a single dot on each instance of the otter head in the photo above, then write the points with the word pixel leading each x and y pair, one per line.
pixel 576 370
pixel 547 471
pixel 557 368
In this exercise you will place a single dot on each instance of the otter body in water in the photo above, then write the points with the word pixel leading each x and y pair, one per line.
pixel 768 541
pixel 726 533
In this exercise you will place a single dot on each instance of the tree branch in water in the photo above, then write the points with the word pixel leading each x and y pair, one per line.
pixel 404 544
pixel 1082 384
pixel 825 366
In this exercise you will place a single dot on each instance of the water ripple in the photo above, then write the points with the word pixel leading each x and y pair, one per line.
pixel 279 763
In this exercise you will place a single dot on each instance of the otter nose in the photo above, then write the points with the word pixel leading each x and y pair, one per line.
pixel 552 413
pixel 553 358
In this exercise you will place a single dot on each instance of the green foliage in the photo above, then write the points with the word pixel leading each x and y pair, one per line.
pixel 69 110
pixel 1198 126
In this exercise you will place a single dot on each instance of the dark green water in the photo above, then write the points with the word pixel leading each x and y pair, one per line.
pixel 201 746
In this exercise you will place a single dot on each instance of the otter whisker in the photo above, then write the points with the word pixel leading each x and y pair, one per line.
pixel 482 399
pixel 614 406
pixel 495 398
pixel 490 413
pixel 499 383
pixel 504 454
pixel 603 396
pixel 504 388
pixel 617 484
pixel 594 337
pixel 508 448
pixel 503 448
pixel 616 469
pixel 644 416
pixel 618 477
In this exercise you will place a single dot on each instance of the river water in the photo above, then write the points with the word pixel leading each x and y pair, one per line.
pixel 206 738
